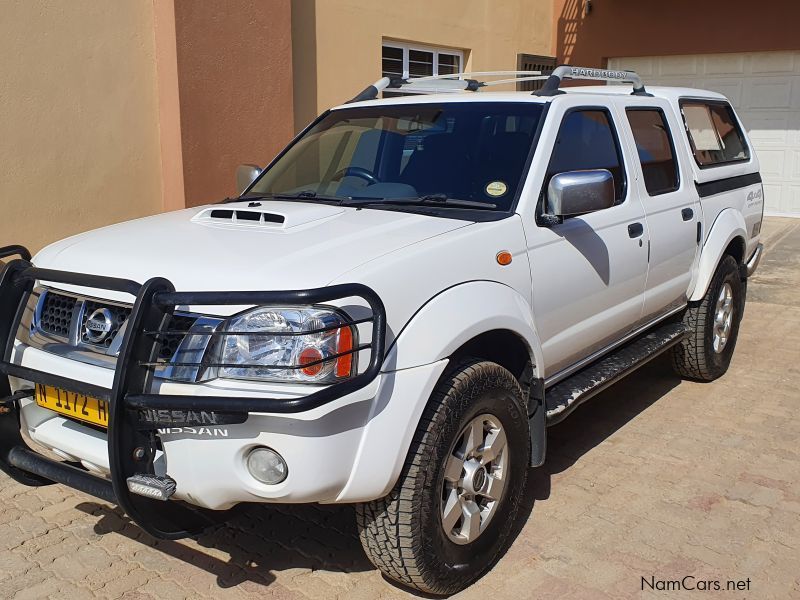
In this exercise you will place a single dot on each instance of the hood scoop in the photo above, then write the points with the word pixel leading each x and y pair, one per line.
pixel 279 215
pixel 240 217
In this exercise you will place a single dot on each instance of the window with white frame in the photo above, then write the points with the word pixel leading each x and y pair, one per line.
pixel 414 60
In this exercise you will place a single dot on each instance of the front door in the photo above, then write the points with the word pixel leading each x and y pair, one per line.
pixel 588 272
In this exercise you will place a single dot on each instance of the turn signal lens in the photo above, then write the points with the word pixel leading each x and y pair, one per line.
pixel 344 364
pixel 504 258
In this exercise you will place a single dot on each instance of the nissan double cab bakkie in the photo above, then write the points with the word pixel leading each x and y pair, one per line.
pixel 390 314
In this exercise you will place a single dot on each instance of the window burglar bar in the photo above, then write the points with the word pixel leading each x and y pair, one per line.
pixel 410 60
pixel 404 60
pixel 534 63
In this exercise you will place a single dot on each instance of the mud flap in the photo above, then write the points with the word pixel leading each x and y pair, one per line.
pixel 537 423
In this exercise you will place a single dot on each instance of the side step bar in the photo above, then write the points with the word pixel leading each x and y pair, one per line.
pixel 566 396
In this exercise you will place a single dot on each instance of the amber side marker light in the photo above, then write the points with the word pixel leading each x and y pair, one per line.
pixel 344 364
pixel 503 258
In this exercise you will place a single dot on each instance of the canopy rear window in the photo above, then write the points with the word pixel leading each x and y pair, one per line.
pixel 714 132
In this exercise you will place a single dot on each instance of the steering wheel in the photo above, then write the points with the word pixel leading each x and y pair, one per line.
pixel 361 172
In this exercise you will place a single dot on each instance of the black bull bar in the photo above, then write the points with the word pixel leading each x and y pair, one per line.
pixel 130 395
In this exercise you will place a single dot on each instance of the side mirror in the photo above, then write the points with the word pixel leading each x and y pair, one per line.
pixel 245 175
pixel 579 192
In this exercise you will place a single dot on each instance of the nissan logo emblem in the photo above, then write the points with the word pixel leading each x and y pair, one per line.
pixel 98 325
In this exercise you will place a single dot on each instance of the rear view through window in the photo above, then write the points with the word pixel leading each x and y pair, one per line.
pixel 713 132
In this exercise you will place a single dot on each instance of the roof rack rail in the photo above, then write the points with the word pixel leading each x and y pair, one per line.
pixel 552 84
pixel 453 82
pixel 459 82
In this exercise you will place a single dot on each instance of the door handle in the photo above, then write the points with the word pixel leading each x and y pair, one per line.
pixel 687 214
pixel 635 230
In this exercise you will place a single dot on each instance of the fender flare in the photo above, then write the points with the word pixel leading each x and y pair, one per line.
pixel 728 225
pixel 458 314
pixel 413 366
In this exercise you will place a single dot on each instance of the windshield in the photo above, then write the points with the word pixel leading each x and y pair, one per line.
pixel 469 151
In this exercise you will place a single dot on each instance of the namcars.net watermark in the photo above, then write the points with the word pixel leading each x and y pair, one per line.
pixel 691 583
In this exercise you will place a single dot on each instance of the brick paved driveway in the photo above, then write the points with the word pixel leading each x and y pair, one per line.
pixel 656 477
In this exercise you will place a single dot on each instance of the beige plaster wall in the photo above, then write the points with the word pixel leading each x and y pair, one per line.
pixel 336 44
pixel 79 136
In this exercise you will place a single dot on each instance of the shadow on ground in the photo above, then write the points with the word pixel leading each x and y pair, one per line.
pixel 593 423
pixel 264 538
pixel 259 539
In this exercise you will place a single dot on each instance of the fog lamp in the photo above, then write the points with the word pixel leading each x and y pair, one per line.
pixel 267 466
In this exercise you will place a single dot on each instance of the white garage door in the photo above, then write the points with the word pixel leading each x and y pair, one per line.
pixel 764 87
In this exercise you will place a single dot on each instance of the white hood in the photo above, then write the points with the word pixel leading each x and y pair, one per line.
pixel 201 249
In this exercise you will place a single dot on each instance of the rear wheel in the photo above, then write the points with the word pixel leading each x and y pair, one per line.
pixel 706 352
pixel 451 512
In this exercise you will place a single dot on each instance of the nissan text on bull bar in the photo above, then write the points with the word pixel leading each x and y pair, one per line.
pixel 390 314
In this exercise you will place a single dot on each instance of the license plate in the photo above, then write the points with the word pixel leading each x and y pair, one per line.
pixel 77 406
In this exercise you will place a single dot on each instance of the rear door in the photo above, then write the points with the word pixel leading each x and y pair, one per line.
pixel 671 203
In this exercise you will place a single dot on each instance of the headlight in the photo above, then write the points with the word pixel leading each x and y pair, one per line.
pixel 307 340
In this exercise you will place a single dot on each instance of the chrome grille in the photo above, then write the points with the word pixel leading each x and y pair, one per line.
pixel 55 316
pixel 119 314
pixel 171 341
pixel 62 317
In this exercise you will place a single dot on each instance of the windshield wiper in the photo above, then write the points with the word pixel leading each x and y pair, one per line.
pixel 309 195
pixel 426 200
pixel 304 195
pixel 358 201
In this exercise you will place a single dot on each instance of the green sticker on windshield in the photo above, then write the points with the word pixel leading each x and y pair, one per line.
pixel 496 188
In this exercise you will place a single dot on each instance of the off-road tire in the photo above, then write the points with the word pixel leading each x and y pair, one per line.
pixel 694 357
pixel 402 534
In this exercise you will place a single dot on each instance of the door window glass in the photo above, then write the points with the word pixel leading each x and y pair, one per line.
pixel 654 146
pixel 586 140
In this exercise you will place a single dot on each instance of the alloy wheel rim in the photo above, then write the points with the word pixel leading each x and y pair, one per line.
pixel 475 476
pixel 723 318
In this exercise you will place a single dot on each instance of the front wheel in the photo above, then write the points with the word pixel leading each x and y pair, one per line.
pixel 451 512
pixel 706 352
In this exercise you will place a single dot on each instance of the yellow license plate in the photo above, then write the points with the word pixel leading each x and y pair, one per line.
pixel 77 406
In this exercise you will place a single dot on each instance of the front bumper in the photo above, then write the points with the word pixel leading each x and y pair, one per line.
pixel 135 442
pixel 349 450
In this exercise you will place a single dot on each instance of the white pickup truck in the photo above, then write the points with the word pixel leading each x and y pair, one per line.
pixel 390 314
